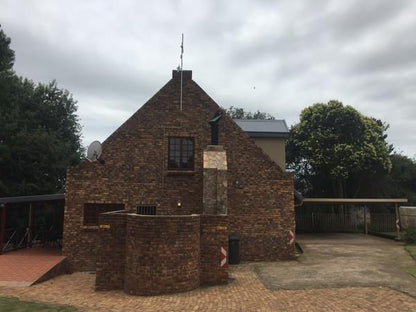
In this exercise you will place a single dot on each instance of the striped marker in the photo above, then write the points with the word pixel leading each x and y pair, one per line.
pixel 291 237
pixel 224 257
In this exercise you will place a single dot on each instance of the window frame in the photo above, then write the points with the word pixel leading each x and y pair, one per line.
pixel 181 153
pixel 99 208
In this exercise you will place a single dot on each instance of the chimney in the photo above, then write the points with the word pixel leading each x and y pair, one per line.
pixel 186 74
pixel 214 197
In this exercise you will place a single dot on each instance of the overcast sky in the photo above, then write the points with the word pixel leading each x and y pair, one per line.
pixel 274 56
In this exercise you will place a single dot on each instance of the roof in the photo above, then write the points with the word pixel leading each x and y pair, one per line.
pixel 33 198
pixel 258 128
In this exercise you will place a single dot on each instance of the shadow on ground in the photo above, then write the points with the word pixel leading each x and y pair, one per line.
pixel 342 260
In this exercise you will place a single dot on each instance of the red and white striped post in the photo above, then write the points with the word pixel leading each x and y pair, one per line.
pixel 223 261
pixel 291 237
pixel 397 222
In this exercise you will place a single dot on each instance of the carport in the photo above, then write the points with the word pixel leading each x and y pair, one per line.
pixel 18 227
pixel 361 202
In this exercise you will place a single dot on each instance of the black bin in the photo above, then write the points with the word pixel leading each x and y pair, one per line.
pixel 234 249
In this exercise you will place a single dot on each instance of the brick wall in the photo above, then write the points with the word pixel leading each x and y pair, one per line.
pixel 150 255
pixel 260 194
pixel 214 235
pixel 162 254
pixel 111 255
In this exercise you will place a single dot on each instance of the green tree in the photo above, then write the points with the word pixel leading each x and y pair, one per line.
pixel 39 132
pixel 240 113
pixel 336 151
pixel 6 54
pixel 401 181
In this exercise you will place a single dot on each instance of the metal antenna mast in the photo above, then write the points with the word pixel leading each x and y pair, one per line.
pixel 180 99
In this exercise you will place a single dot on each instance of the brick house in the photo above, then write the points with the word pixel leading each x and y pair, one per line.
pixel 157 164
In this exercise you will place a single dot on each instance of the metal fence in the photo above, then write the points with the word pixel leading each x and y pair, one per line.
pixel 22 237
pixel 345 222
pixel 385 222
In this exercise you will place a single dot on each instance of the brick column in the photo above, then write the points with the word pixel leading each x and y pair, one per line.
pixel 214 220
pixel 112 251
pixel 215 180
pixel 214 236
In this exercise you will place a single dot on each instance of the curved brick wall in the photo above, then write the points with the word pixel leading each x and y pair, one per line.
pixel 162 254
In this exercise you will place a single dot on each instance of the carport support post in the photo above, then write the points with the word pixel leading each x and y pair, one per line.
pixel 397 221
pixel 2 226
pixel 30 223
pixel 365 220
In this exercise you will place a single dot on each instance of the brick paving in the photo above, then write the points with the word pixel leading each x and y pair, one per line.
pixel 244 293
pixel 25 266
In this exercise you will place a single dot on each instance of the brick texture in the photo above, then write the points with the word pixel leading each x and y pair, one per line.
pixel 214 235
pixel 260 194
pixel 152 255
pixel 162 254
pixel 112 251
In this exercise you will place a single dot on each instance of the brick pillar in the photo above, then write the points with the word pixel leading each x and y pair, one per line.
pixel 214 236
pixel 111 251
pixel 215 180
pixel 214 220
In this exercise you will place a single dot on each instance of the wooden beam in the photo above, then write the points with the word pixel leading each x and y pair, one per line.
pixel 30 222
pixel 365 221
pixel 354 200
pixel 2 226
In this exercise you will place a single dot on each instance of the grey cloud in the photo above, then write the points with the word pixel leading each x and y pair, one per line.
pixel 350 19
pixel 114 55
pixel 396 54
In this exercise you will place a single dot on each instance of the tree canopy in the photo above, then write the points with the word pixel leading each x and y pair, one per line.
pixel 240 113
pixel 6 54
pixel 401 182
pixel 336 151
pixel 39 132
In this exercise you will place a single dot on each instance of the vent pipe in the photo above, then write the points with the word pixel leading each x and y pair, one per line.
pixel 214 127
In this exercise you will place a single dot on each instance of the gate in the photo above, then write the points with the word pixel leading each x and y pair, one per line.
pixel 328 222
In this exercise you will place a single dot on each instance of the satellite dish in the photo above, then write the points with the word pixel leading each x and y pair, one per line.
pixel 94 151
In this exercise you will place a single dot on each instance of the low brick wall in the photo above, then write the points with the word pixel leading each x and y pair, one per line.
pixel 152 255
pixel 263 222
pixel 112 252
pixel 162 254
pixel 214 235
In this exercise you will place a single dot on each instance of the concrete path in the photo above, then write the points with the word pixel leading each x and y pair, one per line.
pixel 342 260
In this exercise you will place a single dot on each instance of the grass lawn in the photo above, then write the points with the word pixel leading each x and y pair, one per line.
pixel 14 304
pixel 411 249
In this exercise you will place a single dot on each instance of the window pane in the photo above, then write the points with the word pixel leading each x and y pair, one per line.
pixel 181 153
pixel 92 211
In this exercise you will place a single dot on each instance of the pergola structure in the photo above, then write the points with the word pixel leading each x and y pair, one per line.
pixel 361 201
pixel 5 201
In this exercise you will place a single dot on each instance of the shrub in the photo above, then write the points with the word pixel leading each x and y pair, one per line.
pixel 410 236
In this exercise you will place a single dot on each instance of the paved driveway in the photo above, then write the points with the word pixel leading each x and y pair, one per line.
pixel 327 265
pixel 342 260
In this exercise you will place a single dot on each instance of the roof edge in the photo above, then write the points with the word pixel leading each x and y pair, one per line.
pixel 32 198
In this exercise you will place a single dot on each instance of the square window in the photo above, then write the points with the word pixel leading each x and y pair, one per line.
pixel 92 212
pixel 181 153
